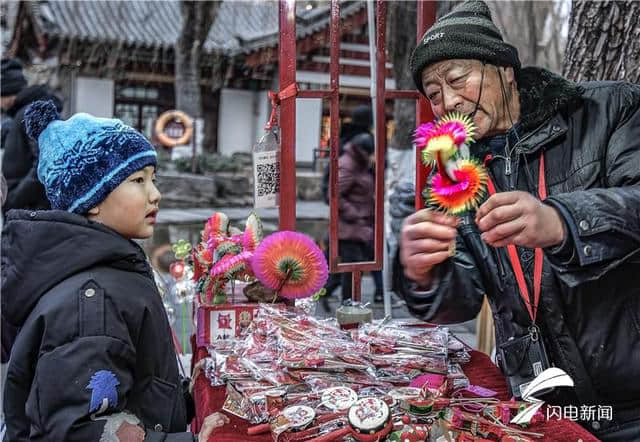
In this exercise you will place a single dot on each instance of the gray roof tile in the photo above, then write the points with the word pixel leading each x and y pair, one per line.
pixel 241 26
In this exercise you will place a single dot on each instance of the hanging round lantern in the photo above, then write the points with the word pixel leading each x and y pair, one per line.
pixel 174 128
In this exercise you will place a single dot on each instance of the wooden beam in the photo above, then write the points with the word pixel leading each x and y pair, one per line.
pixel 319 39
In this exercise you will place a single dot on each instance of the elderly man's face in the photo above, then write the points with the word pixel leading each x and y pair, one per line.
pixel 455 85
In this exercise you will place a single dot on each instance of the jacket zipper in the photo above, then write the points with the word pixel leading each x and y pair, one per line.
pixel 508 167
pixel 507 163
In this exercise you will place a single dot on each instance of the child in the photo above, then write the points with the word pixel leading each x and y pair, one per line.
pixel 94 359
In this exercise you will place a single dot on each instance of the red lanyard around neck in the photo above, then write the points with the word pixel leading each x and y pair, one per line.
pixel 538 257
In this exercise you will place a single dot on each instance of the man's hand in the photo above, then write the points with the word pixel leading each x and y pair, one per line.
pixel 211 422
pixel 427 239
pixel 521 219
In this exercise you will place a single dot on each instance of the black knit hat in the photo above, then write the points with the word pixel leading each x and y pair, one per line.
pixel 467 32
pixel 12 80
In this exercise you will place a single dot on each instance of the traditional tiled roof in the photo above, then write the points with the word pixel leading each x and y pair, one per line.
pixel 240 26
pixel 307 23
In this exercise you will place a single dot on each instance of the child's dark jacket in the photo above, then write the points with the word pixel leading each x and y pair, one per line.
pixel 93 333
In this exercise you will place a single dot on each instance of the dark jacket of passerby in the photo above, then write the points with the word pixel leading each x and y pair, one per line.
pixel 356 187
pixel 92 325
pixel 5 125
pixel 361 122
pixel 589 311
pixel 20 160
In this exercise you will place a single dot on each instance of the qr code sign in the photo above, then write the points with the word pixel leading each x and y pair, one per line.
pixel 268 178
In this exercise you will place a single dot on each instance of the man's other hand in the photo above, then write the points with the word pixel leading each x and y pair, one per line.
pixel 427 239
pixel 521 219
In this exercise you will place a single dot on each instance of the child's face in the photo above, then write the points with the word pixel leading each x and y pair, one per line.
pixel 131 208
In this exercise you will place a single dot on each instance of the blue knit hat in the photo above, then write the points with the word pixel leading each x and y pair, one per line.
pixel 84 158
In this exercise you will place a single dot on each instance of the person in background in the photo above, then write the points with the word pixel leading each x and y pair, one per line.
pixel 20 159
pixel 5 125
pixel 556 246
pixel 94 357
pixel 356 210
pixel 361 122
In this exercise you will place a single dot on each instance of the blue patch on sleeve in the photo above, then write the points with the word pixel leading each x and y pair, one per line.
pixel 103 385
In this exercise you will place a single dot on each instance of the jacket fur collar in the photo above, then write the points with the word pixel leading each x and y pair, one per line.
pixel 543 94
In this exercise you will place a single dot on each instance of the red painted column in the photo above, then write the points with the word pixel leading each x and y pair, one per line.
pixel 356 285
pixel 381 128
pixel 287 66
pixel 334 116
pixel 426 17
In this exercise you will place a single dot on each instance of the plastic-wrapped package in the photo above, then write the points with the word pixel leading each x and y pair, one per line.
pixel 458 350
pixel 218 371
pixel 456 378
pixel 433 364
pixel 258 348
pixel 288 359
pixel 399 337
pixel 245 404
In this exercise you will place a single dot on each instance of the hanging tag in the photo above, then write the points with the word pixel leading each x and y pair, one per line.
pixel 266 171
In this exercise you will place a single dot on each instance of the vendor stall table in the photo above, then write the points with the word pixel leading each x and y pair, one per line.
pixel 480 371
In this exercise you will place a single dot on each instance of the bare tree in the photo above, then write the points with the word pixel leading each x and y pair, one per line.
pixel 535 28
pixel 401 35
pixel 444 7
pixel 197 18
pixel 604 42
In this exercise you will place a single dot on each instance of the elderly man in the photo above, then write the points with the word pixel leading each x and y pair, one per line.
pixel 561 223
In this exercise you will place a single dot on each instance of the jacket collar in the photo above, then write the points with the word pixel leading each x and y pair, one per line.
pixel 544 97
pixel 543 94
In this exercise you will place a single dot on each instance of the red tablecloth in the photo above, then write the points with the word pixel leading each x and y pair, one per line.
pixel 480 370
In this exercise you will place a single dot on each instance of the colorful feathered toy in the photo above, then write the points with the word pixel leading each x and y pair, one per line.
pixel 460 181
pixel 290 264
pixel 223 255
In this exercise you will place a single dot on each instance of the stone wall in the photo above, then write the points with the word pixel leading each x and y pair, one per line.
pixel 225 189
pixel 186 190
pixel 309 186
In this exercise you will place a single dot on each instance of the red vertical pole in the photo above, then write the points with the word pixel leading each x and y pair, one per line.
pixel 381 128
pixel 356 285
pixel 426 17
pixel 287 66
pixel 194 146
pixel 334 116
